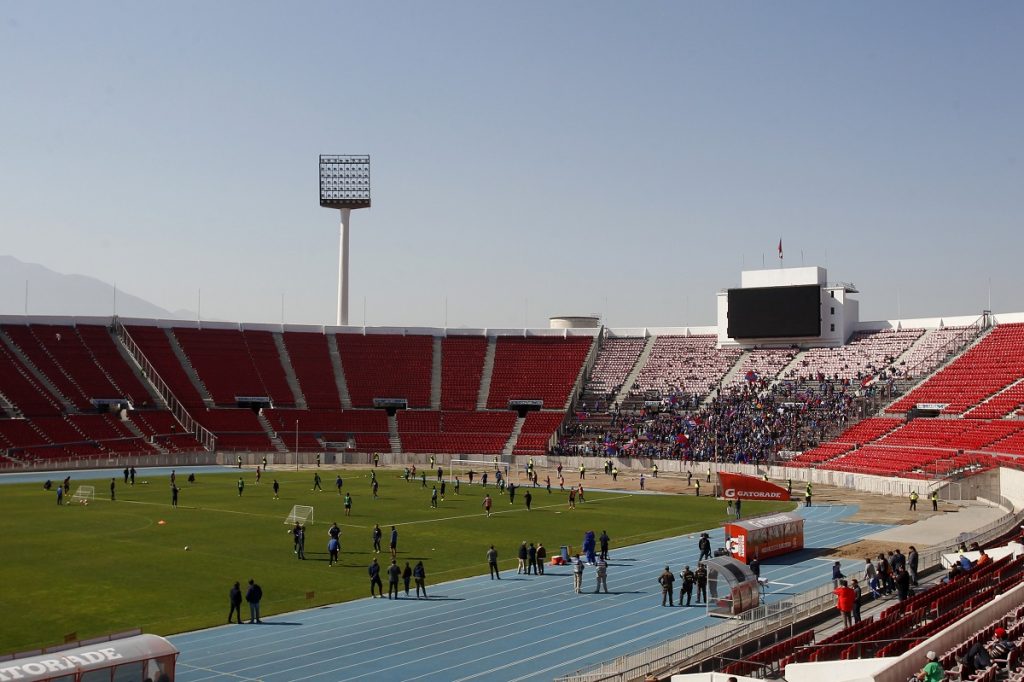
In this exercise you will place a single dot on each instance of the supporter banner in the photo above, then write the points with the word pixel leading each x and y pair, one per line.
pixel 741 487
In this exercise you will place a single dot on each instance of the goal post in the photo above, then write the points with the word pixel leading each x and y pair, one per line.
pixel 462 467
pixel 85 493
pixel 301 514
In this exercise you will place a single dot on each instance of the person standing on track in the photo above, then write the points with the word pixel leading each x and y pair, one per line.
pixel 235 599
pixel 254 595
pixel 686 589
pixel 374 572
pixel 602 576
pixel 577 574
pixel 394 573
pixel 666 579
pixel 406 577
pixel 542 555
pixel 492 563
pixel 604 540
pixel 419 574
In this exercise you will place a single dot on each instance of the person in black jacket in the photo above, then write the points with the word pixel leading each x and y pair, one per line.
pixel 374 572
pixel 253 595
pixel 235 597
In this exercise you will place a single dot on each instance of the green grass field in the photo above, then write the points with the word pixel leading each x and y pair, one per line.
pixel 111 566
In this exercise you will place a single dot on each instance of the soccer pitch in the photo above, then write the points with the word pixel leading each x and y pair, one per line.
pixel 109 566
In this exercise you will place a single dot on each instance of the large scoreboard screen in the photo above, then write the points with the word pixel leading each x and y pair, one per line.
pixel 774 312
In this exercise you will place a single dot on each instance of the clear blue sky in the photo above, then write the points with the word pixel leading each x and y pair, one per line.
pixel 529 158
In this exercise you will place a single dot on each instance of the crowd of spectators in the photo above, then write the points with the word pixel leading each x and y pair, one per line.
pixel 751 422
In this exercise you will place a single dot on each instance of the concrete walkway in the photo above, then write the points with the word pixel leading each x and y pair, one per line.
pixel 970 516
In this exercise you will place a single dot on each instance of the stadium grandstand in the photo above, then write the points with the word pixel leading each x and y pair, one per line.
pixel 930 406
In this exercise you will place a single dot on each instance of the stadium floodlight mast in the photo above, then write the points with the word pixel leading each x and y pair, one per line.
pixel 344 185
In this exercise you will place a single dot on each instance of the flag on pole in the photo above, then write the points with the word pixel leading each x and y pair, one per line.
pixel 780 248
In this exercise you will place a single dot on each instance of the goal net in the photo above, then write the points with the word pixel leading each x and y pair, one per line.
pixel 462 467
pixel 84 493
pixel 300 514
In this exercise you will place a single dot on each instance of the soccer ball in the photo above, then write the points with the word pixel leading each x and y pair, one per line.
pixel 186 548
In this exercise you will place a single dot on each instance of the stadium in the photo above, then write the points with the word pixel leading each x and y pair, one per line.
pixel 789 387
pixel 786 446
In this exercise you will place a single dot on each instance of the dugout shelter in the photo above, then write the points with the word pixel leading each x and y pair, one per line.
pixel 764 536
pixel 732 587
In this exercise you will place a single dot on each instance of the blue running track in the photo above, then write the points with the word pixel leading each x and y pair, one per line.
pixel 521 628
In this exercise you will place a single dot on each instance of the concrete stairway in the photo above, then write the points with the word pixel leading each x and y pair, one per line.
pixel 794 365
pixel 289 372
pixel 190 371
pixel 133 427
pixel 339 372
pixel 435 376
pixel 393 438
pixel 154 395
pixel 641 361
pixel 726 378
pixel 485 376
pixel 275 438
pixel 510 445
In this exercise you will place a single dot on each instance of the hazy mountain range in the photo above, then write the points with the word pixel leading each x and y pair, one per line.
pixel 53 293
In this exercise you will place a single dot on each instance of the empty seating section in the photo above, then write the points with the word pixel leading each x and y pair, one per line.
pixel 689 364
pixel 103 348
pixel 75 359
pixel 821 453
pixel 311 361
pixel 367 428
pixel 37 354
pixel 455 432
pixel 537 431
pixel 237 429
pixel 614 362
pixel 867 353
pixel 536 368
pixel 20 433
pixel 992 364
pixel 761 364
pixel 387 366
pixel 165 430
pixel 19 386
pixel 462 364
pixel 1001 404
pixel 1012 444
pixel 154 344
pixel 267 361
pixel 222 360
pixel 958 434
pixel 909 462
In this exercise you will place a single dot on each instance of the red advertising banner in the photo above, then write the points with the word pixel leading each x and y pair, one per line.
pixel 742 487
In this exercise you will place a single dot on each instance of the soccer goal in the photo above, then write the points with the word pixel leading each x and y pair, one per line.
pixel 84 493
pixel 301 514
pixel 462 467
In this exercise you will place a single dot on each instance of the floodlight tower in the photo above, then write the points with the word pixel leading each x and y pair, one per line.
pixel 344 185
